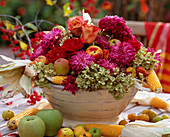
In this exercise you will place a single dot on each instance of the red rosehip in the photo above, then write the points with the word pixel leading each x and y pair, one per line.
pixel 4 30
pixel 10 32
pixel 10 45
pixel 9 103
pixel 9 91
pixel 14 49
pixel 28 101
pixel 35 92
pixel 21 11
pixel 39 99
pixel 15 42
pixel 1 23
pixel 28 95
pixel 1 88
pixel 3 3
pixel 4 37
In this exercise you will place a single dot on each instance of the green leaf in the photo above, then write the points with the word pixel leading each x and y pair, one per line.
pixel 31 26
pixel 8 25
pixel 27 32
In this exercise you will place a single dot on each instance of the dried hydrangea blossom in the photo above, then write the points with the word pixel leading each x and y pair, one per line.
pixel 107 64
pixel 95 77
pixel 145 59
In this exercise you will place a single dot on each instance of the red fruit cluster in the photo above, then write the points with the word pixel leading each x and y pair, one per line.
pixel 34 98
pixel 89 5
pixel 142 70
pixel 9 103
pixel 21 11
pixel 37 38
pixel 1 23
pixel 2 88
pixel 2 3
pixel 8 35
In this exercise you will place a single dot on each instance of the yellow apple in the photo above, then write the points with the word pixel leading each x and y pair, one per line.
pixel 95 51
pixel 65 132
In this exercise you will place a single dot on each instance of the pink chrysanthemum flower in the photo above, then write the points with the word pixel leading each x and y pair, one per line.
pixel 48 40
pixel 156 55
pixel 123 54
pixel 116 27
pixel 80 60
pixel 106 64
pixel 70 84
pixel 51 38
pixel 38 51
pixel 135 43
pixel 103 42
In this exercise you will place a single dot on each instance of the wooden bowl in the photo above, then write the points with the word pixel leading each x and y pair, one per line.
pixel 88 107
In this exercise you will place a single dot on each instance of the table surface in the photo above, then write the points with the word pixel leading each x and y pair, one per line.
pixel 20 104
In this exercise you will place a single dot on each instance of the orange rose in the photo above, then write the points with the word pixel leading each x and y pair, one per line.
pixel 89 32
pixel 74 25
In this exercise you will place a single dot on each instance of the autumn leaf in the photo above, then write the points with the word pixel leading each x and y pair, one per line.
pixel 8 25
pixel 67 10
pixel 23 45
pixel 50 2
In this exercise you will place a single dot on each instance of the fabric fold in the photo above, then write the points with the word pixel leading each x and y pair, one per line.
pixel 158 35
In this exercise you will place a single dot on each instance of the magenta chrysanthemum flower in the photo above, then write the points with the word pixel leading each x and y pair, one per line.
pixel 156 55
pixel 103 42
pixel 135 43
pixel 80 60
pixel 70 84
pixel 116 27
pixel 123 54
pixel 106 64
pixel 48 40
pixel 37 52
pixel 51 38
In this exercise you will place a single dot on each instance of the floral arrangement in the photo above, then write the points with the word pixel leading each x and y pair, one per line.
pixel 84 56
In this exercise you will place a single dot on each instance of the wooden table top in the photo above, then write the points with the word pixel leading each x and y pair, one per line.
pixel 20 104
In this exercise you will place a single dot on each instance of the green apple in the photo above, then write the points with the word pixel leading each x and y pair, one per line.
pixel 114 42
pixel 61 66
pixel 31 126
pixel 60 27
pixel 95 132
pixel 65 132
pixel 53 121
pixel 156 119
pixel 165 116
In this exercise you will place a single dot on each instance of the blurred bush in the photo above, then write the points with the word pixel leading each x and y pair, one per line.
pixel 29 10
pixel 45 14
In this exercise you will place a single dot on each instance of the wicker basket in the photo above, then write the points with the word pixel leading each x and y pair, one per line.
pixel 88 107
